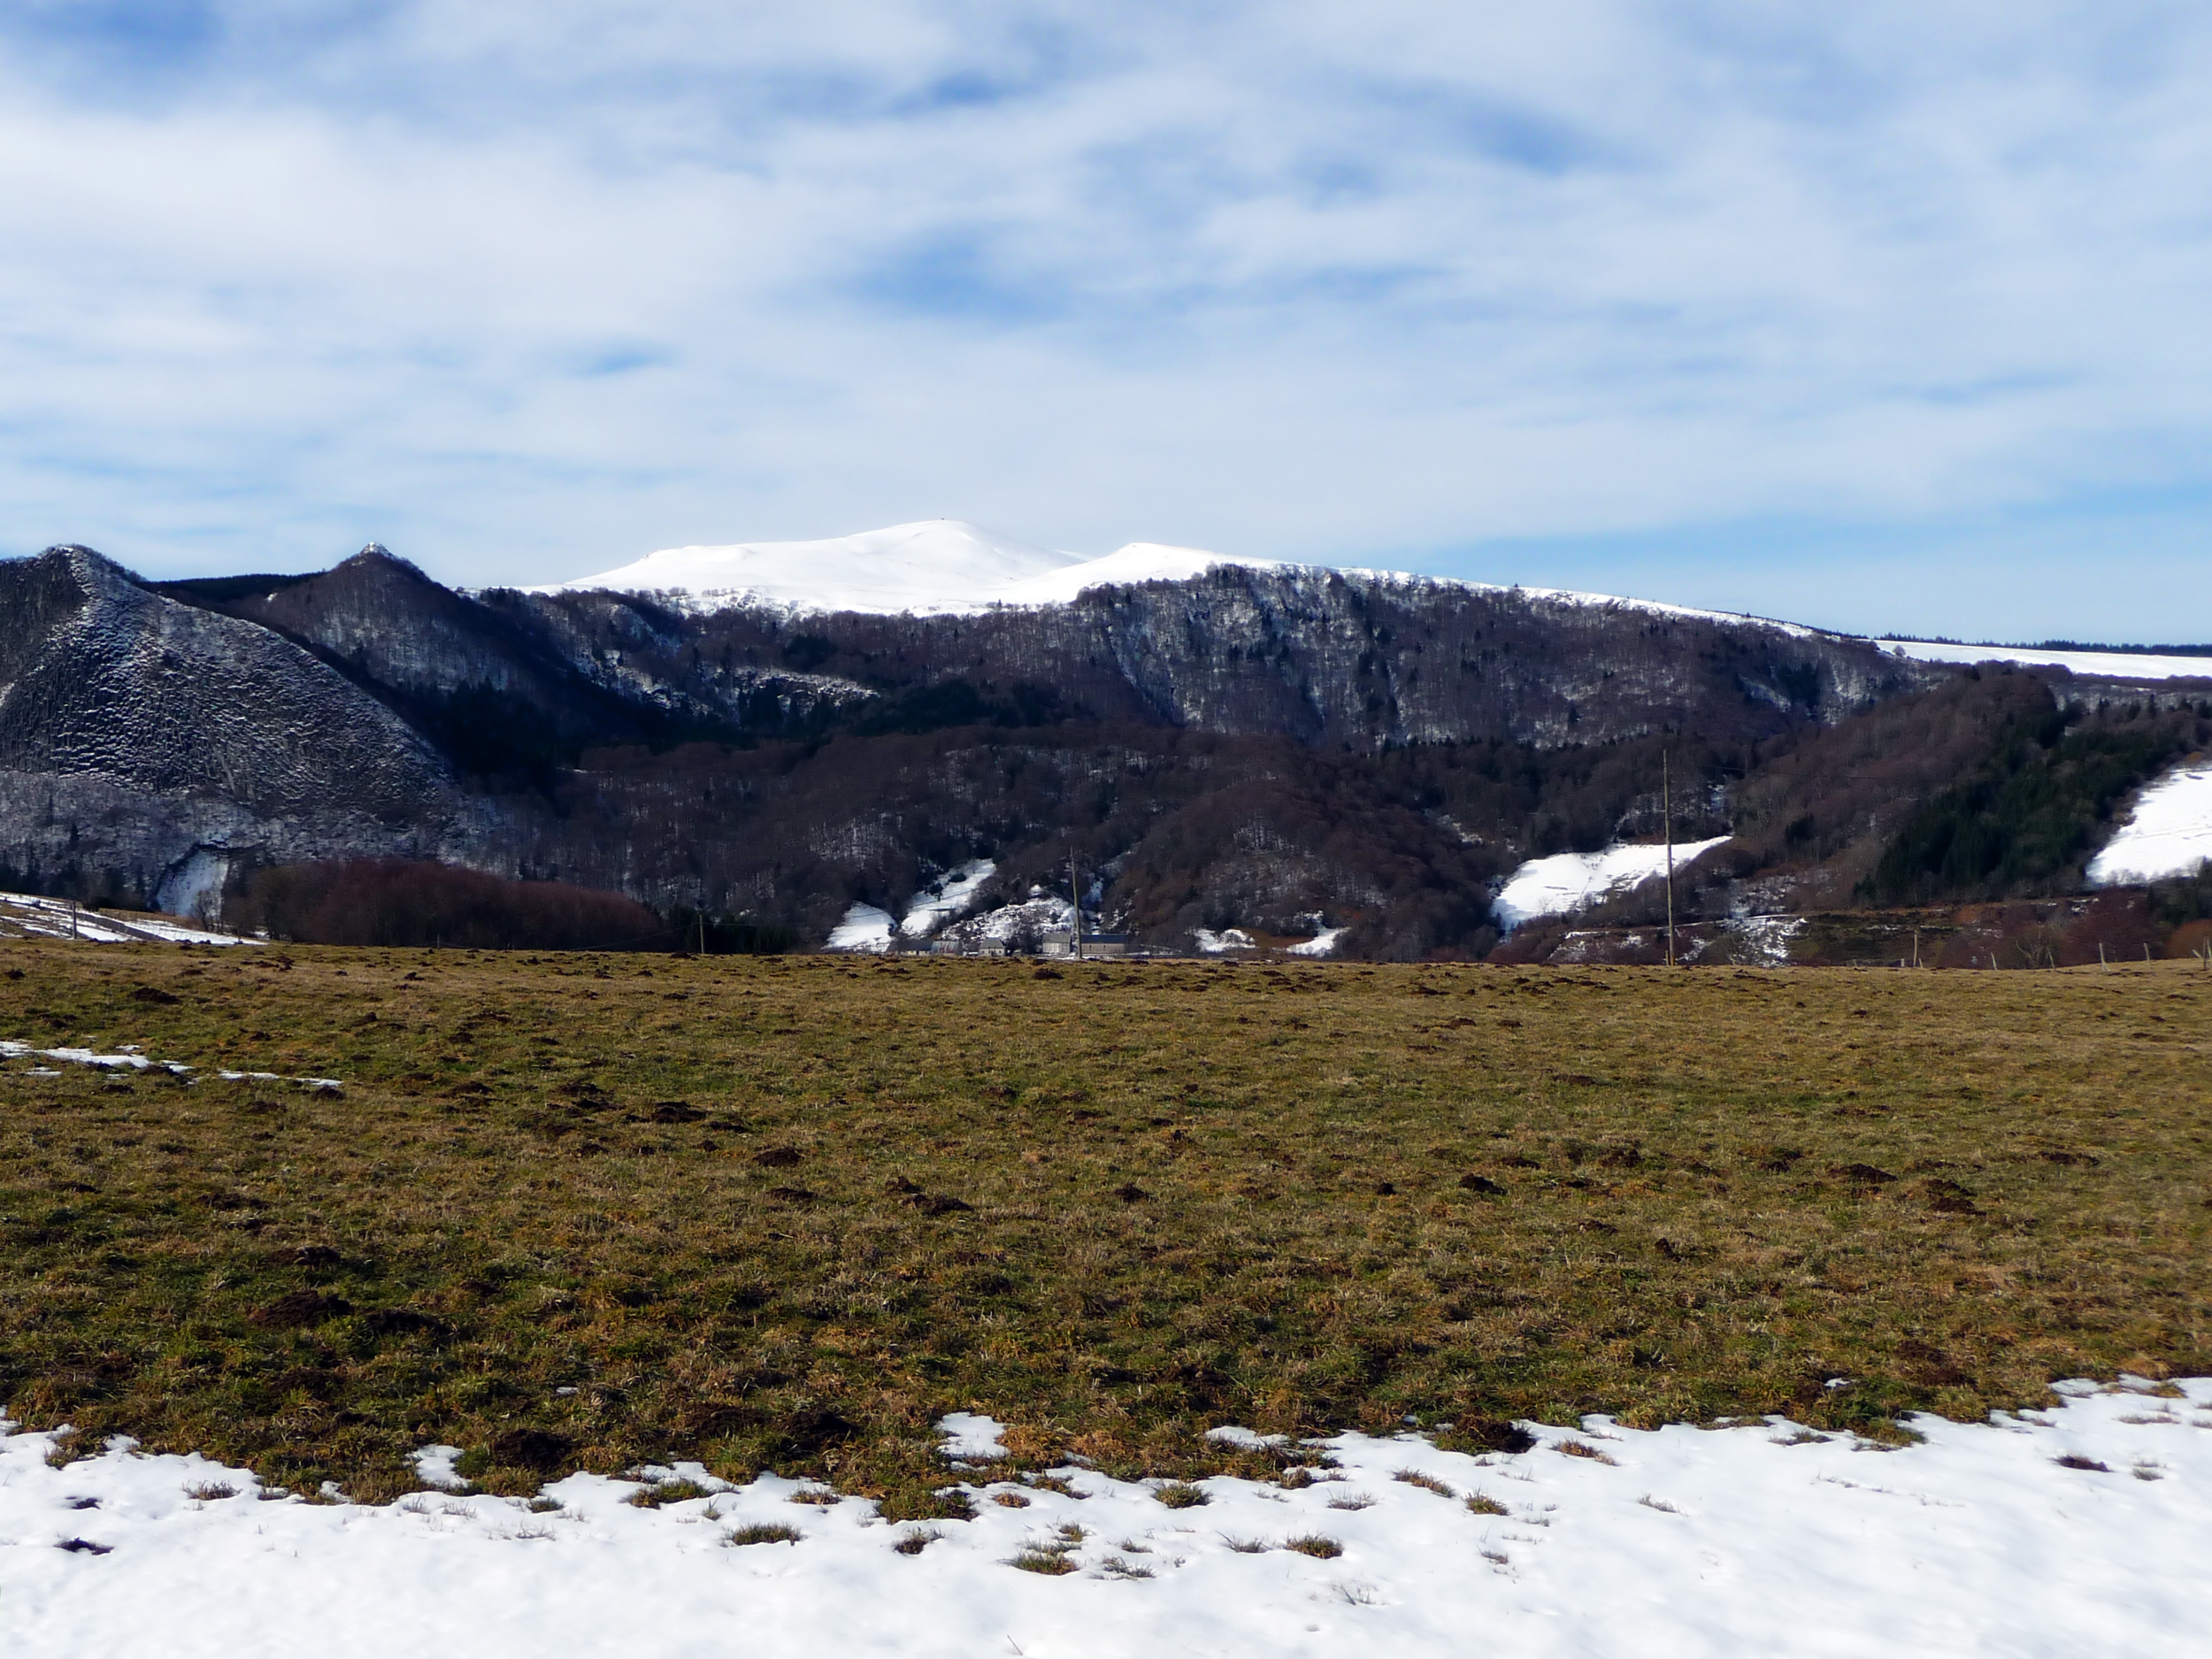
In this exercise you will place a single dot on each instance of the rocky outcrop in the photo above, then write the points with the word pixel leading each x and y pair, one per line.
pixel 137 733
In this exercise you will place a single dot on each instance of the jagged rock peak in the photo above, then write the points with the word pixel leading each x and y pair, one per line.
pixel 88 567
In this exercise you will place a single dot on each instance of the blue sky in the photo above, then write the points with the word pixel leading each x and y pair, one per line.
pixel 1889 320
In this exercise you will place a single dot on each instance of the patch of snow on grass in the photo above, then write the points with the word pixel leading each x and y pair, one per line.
pixel 130 1058
pixel 864 928
pixel 1568 882
pixel 434 1467
pixel 1244 1439
pixel 1320 945
pixel 1695 1543
pixel 934 907
pixel 967 1437
pixel 1228 939
pixel 2170 833
pixel 2098 665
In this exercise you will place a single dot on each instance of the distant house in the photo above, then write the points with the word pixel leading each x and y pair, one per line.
pixel 1060 941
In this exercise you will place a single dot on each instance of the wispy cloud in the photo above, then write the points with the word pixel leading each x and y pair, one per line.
pixel 1736 297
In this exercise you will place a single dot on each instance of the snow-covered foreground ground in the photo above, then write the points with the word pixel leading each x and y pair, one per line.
pixel 2170 833
pixel 1568 882
pixel 1755 1539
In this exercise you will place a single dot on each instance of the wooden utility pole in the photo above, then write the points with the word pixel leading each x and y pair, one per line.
pixel 1075 893
pixel 1666 814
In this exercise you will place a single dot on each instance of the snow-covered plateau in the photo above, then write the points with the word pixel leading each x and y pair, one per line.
pixel 2073 1530
pixel 938 567
pixel 2096 665
pixel 2169 834
pixel 1567 882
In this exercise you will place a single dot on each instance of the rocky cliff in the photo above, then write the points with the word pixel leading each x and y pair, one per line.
pixel 146 744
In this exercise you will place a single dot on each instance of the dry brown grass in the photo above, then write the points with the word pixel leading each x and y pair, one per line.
pixel 590 1211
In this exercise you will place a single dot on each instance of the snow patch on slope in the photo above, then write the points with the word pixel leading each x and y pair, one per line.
pixel 1695 1543
pixel 869 927
pixel 866 927
pixel 2170 833
pixel 31 914
pixel 935 906
pixel 1568 882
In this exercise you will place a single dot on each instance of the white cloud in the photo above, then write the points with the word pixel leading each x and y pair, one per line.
pixel 527 291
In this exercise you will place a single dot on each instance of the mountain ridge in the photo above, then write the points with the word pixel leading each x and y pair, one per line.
pixel 1248 745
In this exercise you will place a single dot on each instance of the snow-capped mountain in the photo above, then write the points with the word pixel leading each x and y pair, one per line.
pixel 936 567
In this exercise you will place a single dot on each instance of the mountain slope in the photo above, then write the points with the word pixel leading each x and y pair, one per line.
pixel 1328 657
pixel 1273 747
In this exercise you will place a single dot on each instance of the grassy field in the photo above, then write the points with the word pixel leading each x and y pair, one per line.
pixel 586 1211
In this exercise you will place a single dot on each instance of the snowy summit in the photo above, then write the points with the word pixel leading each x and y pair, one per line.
pixel 938 567
pixel 951 567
